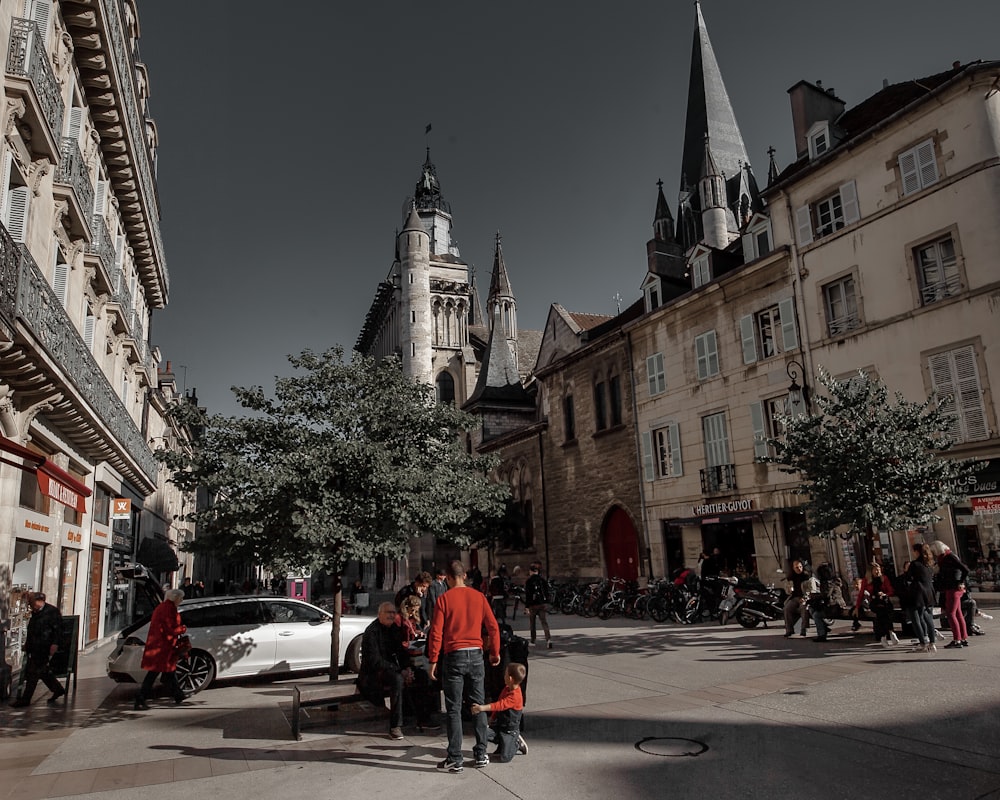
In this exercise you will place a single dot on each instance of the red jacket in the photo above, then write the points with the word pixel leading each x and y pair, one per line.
pixel 509 699
pixel 165 626
pixel 459 618
pixel 867 587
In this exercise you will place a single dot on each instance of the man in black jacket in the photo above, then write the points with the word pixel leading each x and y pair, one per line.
pixel 40 644
pixel 385 666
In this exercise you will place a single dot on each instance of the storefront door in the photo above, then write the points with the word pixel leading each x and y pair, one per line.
pixel 621 546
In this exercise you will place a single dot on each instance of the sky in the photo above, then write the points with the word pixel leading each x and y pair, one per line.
pixel 289 142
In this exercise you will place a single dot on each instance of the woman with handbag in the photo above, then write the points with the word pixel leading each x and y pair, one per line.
pixel 165 646
pixel 952 578
pixel 875 597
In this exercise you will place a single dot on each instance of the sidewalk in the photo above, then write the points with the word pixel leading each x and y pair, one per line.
pixel 616 708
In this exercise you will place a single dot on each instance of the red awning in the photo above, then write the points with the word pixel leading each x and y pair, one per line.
pixel 54 481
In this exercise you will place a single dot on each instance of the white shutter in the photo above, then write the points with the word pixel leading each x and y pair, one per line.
pixel 676 465
pixel 60 282
pixel 89 324
pixel 647 456
pixel 700 357
pixel 943 384
pixel 17 213
pixel 5 186
pixel 651 374
pixel 74 122
pixel 926 163
pixel 748 250
pixel 789 334
pixel 40 10
pixel 803 224
pixel 849 202
pixel 969 395
pixel 713 353
pixel 908 172
pixel 748 338
pixel 759 431
pixel 119 250
pixel 99 198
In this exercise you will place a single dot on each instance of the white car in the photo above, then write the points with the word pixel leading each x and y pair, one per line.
pixel 245 636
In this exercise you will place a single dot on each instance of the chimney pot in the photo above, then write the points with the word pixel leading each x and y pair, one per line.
pixel 885 83
pixel 956 64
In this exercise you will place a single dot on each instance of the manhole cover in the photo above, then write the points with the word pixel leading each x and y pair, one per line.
pixel 670 746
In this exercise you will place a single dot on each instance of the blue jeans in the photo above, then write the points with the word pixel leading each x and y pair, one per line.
pixel 822 629
pixel 463 670
pixel 923 624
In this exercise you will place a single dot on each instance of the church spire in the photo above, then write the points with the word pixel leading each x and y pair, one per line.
pixel 663 221
pixel 709 114
pixel 433 209
pixel 501 304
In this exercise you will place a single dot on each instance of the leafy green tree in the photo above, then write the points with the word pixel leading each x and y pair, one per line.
pixel 348 460
pixel 869 461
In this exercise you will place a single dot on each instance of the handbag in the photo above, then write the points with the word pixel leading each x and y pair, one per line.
pixel 182 646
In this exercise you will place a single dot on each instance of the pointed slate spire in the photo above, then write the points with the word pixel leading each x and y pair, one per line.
pixel 476 315
pixel 498 377
pixel 499 281
pixel 663 221
pixel 427 194
pixel 772 167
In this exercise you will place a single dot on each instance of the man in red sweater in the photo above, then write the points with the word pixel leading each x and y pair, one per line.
pixel 456 638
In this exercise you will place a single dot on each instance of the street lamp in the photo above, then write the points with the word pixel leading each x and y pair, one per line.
pixel 798 396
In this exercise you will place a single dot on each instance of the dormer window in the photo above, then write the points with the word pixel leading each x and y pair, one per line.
pixel 651 293
pixel 819 139
pixel 701 272
pixel 757 239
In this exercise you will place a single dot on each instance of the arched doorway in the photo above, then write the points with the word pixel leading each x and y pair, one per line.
pixel 621 545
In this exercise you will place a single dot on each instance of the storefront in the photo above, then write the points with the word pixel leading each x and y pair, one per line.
pixel 977 520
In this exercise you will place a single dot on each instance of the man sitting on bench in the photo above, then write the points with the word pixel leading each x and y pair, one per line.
pixel 385 666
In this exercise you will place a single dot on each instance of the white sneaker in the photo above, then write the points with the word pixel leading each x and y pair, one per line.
pixel 920 648
pixel 895 638
pixel 985 616
pixel 885 643
pixel 932 648
pixel 522 746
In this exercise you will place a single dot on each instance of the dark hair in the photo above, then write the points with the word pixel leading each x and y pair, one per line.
pixel 424 577
pixel 456 569
pixel 923 552
pixel 517 672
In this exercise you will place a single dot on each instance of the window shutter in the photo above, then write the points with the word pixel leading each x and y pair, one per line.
pixel 88 331
pixel 74 122
pixel 803 224
pixel 40 10
pixel 17 213
pixel 969 395
pixel 926 163
pixel 647 456
pixel 789 335
pixel 749 340
pixel 5 186
pixel 748 251
pixel 849 202
pixel 60 282
pixel 676 465
pixel 119 250
pixel 939 365
pixel 759 431
pixel 713 353
pixel 99 198
pixel 700 357
pixel 651 374
pixel 908 172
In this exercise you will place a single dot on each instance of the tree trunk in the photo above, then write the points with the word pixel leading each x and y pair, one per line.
pixel 338 586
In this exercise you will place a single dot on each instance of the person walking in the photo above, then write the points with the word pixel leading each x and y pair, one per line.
pixel 953 576
pixel 536 598
pixel 827 602
pixel 456 638
pixel 164 648
pixel 920 581
pixel 40 644
pixel 795 605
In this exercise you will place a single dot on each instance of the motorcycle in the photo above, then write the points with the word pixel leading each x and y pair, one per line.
pixel 729 601
pixel 761 606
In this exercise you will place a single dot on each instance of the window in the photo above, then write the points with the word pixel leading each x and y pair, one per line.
pixel 719 474
pixel 668 451
pixel 918 167
pixel 700 272
pixel 569 418
pixel 819 139
pixel 651 293
pixel 284 612
pixel 937 270
pixel 600 410
pixel 955 378
pixel 446 389
pixel 102 505
pixel 841 306
pixel 757 239
pixel 60 283
pixel 706 355
pixel 765 420
pixel 828 215
pixel 769 332
pixel 89 325
pixel 655 375
pixel 615 396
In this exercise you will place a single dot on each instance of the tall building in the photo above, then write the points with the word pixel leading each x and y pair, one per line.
pixel 82 270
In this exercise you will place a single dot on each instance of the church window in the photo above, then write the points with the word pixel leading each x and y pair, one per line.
pixel 600 410
pixel 615 399
pixel 569 419
pixel 446 389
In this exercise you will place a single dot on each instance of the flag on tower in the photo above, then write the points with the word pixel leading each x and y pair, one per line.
pixel 427 129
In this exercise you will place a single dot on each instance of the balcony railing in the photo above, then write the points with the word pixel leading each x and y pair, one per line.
pixel 26 58
pixel 720 478
pixel 27 295
pixel 101 244
pixel 843 324
pixel 72 172
pixel 942 289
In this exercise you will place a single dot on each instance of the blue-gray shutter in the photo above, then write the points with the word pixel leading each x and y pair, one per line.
pixel 759 431
pixel 789 334
pixel 647 456
pixel 676 464
pixel 748 338
pixel 803 225
pixel 849 202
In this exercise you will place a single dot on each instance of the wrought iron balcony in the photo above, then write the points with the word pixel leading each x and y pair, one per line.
pixel 720 478
pixel 26 58
pixel 25 294
pixel 72 172
pixel 103 247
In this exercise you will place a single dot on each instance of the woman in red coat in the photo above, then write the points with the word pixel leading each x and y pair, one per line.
pixel 160 654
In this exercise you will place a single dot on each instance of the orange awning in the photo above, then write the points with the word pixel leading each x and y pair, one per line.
pixel 54 481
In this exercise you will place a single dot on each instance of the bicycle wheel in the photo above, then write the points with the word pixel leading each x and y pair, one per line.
pixel 658 609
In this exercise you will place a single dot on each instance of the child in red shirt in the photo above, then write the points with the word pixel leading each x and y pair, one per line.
pixel 505 716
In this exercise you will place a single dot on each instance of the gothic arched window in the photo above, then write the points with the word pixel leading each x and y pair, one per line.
pixel 446 388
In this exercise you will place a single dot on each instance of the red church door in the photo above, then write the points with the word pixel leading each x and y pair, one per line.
pixel 621 546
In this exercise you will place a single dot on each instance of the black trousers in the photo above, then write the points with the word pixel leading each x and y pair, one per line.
pixel 37 669
pixel 169 680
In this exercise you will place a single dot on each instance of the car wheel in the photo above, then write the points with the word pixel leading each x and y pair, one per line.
pixel 195 672
pixel 353 658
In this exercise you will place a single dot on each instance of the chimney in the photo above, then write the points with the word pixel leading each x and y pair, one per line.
pixel 811 103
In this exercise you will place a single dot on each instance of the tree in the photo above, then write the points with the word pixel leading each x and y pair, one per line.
pixel 348 460
pixel 869 462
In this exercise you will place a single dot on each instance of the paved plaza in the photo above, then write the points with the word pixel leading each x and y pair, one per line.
pixel 616 709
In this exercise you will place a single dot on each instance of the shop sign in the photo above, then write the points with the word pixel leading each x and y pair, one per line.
pixel 122 508
pixel 36 526
pixel 74 537
pixel 966 519
pixel 723 508
pixel 986 505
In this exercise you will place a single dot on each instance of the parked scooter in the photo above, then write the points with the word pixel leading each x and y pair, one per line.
pixel 761 606
pixel 729 601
